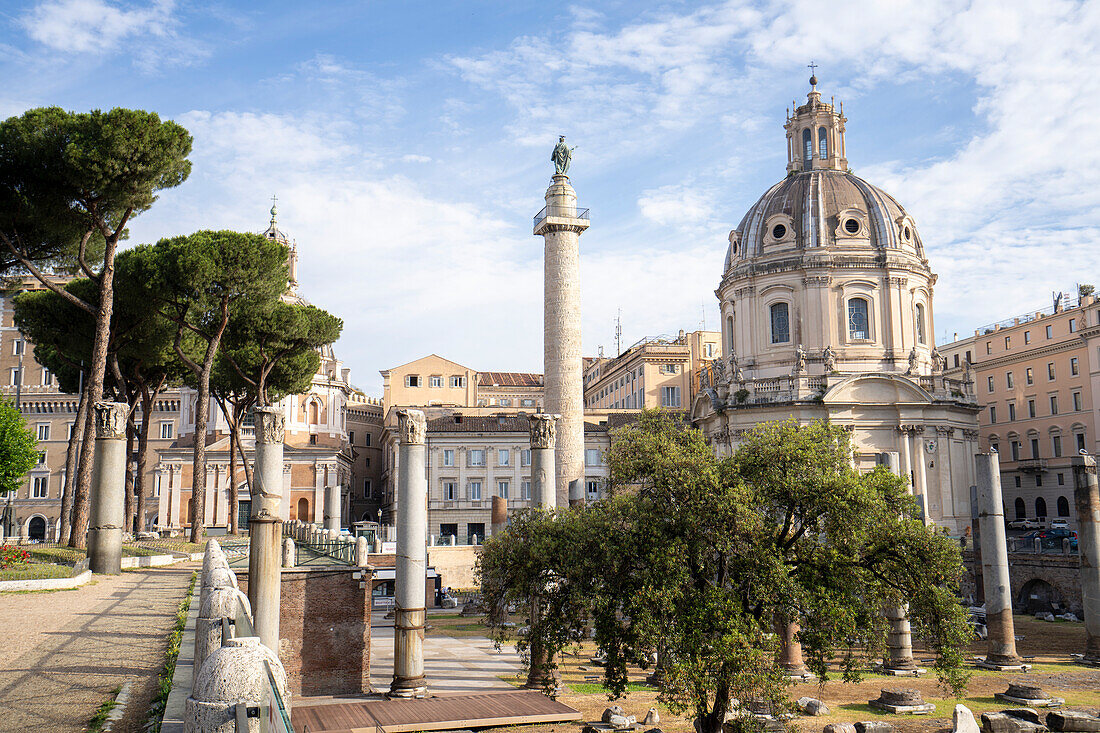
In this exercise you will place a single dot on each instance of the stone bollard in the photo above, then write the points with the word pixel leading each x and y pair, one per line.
pixel 215 608
pixel 1086 497
pixel 218 577
pixel 289 555
pixel 998 589
pixel 411 571
pixel 108 492
pixel 232 675
pixel 544 494
pixel 362 552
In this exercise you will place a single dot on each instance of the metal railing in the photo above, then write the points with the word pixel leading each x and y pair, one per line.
pixel 548 211
pixel 1043 545
pixel 326 552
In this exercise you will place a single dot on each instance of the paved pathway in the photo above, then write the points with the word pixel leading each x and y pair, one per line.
pixel 452 665
pixel 62 653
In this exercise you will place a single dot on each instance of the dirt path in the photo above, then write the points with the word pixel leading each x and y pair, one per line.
pixel 63 653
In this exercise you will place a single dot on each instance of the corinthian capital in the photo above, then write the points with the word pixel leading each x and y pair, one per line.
pixel 270 424
pixel 543 430
pixel 411 427
pixel 110 419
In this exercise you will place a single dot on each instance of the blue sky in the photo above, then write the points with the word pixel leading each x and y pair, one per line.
pixel 409 142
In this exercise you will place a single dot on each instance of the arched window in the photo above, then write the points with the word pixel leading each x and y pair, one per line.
pixel 303 509
pixel 1063 506
pixel 920 323
pixel 1021 509
pixel 729 334
pixel 781 323
pixel 1040 508
pixel 314 413
pixel 807 145
pixel 822 143
pixel 859 326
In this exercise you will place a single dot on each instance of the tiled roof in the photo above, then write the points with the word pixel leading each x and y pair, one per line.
pixel 509 379
pixel 480 424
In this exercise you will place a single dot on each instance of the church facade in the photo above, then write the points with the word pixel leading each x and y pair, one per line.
pixel 826 299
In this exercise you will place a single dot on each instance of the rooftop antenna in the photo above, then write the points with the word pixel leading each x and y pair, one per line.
pixel 601 351
pixel 703 307
pixel 619 333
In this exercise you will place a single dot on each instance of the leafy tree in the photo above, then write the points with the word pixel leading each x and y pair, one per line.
pixel 69 185
pixel 18 448
pixel 696 557
pixel 196 282
pixel 266 354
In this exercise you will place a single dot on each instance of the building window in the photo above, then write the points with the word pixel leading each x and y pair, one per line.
pixel 1039 482
pixel 1056 445
pixel 729 334
pixel 1061 479
pixel 1015 448
pixel 41 487
pixel 858 324
pixel 366 462
pixel 1077 401
pixel 476 457
pixel 13 378
pixel 1073 325
pixel 1050 370
pixel 527 402
pixel 995 447
pixel 69 431
pixel 708 351
pixel 1031 408
pixel 1021 509
pixel 450 491
pixel 504 402
pixel 458 381
pixel 807 146
pixel 781 324
pixel 47 378
pixel 367 487
pixel 313 439
pixel 1054 404
pixel 412 380
pixel 446 531
pixel 1029 376
pixel 592 489
pixel 1050 332
pixel 989 347
pixel 990 383
pixel 525 457
pixel 475 491
pixel 448 457
pixel 1035 448
pixel 351 437
pixel 1011 411
pixel 1027 337
pixel 525 490
pixel 1074 366
pixel 1009 381
pixel 43 431
pixel 435 381
pixel 1080 442
pixel 1017 483
pixel 670 396
pixel 475 532
pixel 992 414
pixel 822 143
pixel 1063 506
pixel 920 324
pixel 17 347
pixel 166 431
pixel 1040 502
pixel 504 457
pixel 591 456
pixel 502 489
pixel 366 440
pixel 1008 342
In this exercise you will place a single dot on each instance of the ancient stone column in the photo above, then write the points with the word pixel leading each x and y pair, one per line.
pixel 108 488
pixel 564 392
pixel 332 507
pixel 790 650
pixel 265 528
pixel 544 493
pixel 498 515
pixel 998 587
pixel 899 643
pixel 1086 496
pixel 412 561
pixel 362 551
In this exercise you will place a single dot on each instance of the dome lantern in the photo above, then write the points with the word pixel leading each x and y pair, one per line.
pixel 815 135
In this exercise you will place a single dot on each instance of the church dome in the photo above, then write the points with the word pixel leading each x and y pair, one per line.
pixel 823 208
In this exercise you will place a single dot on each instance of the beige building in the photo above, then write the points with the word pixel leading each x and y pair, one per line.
pixel 650 373
pixel 1037 377
pixel 826 300
pixel 35 509
pixel 433 381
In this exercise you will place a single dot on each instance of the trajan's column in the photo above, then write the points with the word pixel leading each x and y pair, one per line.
pixel 560 225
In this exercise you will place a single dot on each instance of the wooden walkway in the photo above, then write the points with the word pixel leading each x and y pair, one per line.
pixel 433 713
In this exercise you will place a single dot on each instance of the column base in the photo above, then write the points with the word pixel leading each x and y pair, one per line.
pixel 905 671
pixel 409 688
pixel 1002 666
pixel 105 550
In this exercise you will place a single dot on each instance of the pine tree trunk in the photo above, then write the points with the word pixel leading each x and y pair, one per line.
pixel 202 413
pixel 128 484
pixel 78 539
pixel 234 424
pixel 148 398
pixel 72 455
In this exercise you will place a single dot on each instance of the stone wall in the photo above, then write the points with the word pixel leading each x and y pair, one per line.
pixel 1035 579
pixel 455 565
pixel 324 629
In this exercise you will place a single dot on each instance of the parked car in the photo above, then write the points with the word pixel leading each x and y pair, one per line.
pixel 1051 539
pixel 1025 524
pixel 1062 523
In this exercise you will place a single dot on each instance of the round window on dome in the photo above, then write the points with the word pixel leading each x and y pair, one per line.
pixel 779 231
pixel 907 234
pixel 851 226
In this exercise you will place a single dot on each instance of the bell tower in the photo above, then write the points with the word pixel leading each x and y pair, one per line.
pixel 815 135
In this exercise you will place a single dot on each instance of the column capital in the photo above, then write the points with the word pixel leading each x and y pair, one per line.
pixel 270 424
pixel 543 430
pixel 411 427
pixel 110 420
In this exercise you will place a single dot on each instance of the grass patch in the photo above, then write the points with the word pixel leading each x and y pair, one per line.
pixel 595 688
pixel 164 547
pixel 36 571
pixel 56 554
pixel 95 725
pixel 164 682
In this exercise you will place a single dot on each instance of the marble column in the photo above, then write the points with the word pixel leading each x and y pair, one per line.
pixel 998 586
pixel 561 229
pixel 332 505
pixel 108 488
pixel 543 491
pixel 412 534
pixel 265 527
pixel 1086 496
pixel 899 643
pixel 790 649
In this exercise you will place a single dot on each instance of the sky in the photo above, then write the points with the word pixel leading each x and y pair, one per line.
pixel 408 144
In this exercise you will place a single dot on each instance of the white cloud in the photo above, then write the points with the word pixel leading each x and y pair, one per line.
pixel 414 158
pixel 679 205
pixel 81 26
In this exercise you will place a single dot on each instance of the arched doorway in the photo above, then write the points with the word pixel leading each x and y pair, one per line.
pixel 1021 509
pixel 303 509
pixel 1039 595
pixel 1040 508
pixel 36 529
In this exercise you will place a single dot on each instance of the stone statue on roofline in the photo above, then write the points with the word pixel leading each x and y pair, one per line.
pixel 912 361
pixel 562 157
pixel 829 357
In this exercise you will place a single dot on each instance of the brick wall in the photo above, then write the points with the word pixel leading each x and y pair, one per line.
pixel 1061 572
pixel 324 629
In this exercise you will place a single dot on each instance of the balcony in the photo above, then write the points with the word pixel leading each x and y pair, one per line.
pixel 560 212
pixel 1036 465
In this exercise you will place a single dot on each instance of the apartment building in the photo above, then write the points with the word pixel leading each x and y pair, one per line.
pixel 1037 377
